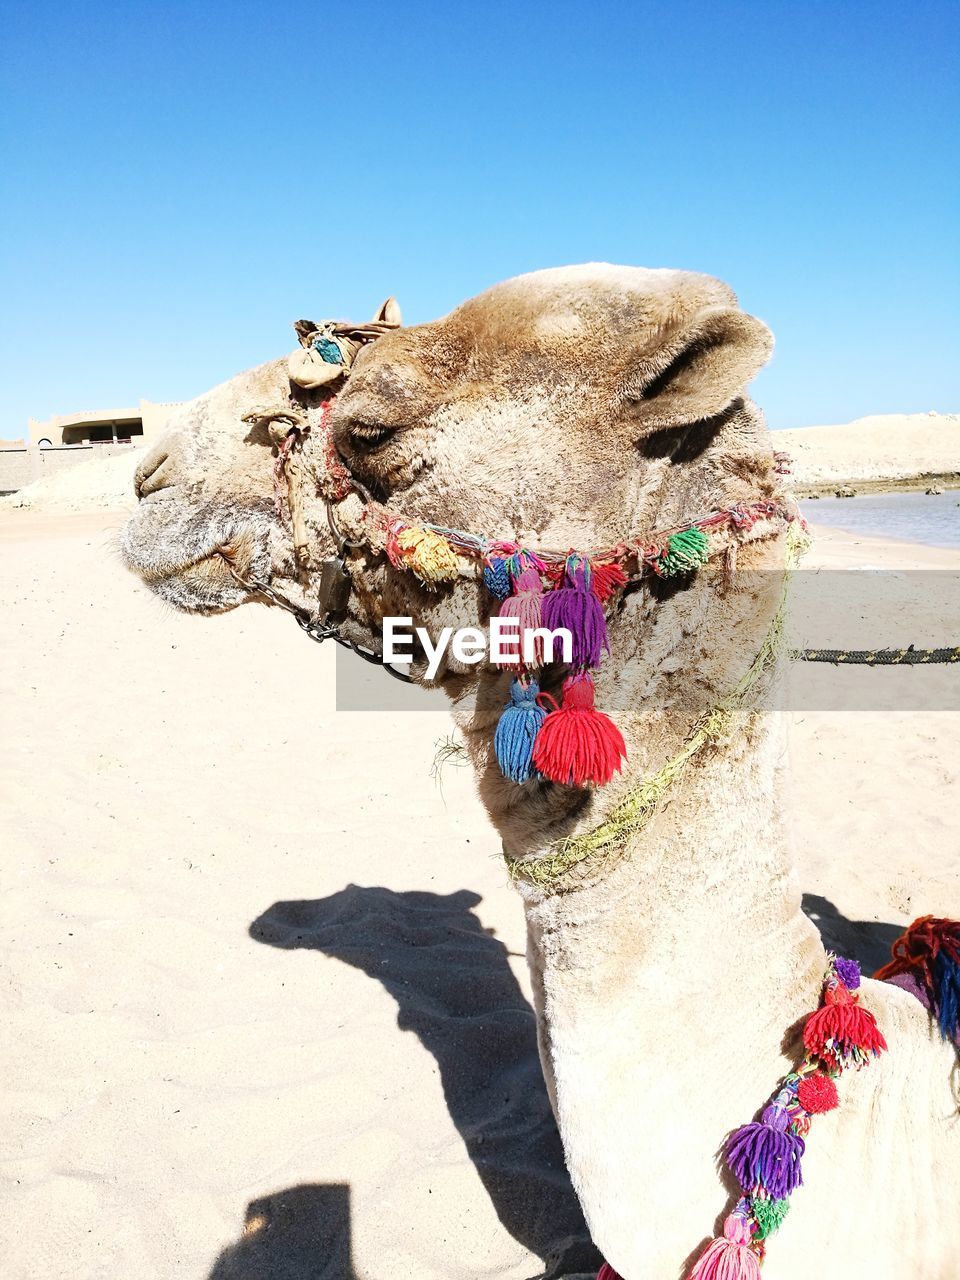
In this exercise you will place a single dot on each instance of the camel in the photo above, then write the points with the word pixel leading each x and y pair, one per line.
pixel 671 964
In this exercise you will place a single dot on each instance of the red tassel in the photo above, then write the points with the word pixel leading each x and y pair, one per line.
pixel 394 554
pixel 840 1029
pixel 577 744
pixel 729 1257
pixel 607 1272
pixel 606 576
pixel 817 1093
pixel 605 579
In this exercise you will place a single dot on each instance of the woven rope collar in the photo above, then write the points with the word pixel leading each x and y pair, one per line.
pixel 431 552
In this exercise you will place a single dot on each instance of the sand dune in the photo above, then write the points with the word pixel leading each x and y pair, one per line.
pixel 265 1004
pixel 886 447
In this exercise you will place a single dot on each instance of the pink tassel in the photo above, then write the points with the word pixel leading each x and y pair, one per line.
pixel 526 605
pixel 729 1257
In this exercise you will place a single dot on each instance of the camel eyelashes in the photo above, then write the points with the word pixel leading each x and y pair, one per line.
pixel 368 435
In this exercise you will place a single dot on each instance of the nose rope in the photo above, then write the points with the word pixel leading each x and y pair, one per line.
pixel 288 430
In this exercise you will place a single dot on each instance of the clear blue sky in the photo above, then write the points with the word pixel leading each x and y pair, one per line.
pixel 181 180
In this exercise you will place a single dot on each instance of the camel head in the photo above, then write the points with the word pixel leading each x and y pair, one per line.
pixel 568 408
pixel 208 486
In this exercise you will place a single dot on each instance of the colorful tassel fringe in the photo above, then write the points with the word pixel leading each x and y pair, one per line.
pixel 929 952
pixel 428 555
pixel 730 1256
pixel 767 1154
pixel 577 744
pixel 575 607
pixel 517 729
pixel 526 605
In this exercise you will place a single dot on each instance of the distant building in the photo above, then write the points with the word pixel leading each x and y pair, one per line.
pixel 68 438
pixel 104 426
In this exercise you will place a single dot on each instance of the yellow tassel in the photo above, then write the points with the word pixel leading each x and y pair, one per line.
pixel 430 556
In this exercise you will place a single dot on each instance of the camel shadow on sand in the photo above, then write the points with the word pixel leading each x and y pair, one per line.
pixel 867 941
pixel 454 989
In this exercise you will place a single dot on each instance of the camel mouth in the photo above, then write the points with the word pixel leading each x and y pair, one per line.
pixel 187 558
pixel 206 587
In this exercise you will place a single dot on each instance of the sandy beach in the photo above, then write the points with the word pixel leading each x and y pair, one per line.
pixel 265 997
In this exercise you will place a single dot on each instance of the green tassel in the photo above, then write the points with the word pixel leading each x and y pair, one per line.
pixel 769 1215
pixel 685 552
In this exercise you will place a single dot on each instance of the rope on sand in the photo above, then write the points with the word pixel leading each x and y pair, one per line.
pixel 910 657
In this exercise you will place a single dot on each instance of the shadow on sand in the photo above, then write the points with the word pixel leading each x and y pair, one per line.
pixel 454 988
pixel 865 940
pixel 302 1233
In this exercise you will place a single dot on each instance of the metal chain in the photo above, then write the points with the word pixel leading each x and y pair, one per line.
pixel 317 629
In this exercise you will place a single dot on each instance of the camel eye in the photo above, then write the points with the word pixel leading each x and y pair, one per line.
pixel 368 435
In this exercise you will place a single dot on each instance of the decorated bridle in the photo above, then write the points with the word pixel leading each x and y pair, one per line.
pixel 570 742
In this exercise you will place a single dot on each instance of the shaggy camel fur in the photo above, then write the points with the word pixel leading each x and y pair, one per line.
pixel 572 408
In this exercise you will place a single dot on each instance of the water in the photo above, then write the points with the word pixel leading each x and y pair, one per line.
pixel 904 517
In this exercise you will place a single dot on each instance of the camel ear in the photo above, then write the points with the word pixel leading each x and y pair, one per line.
pixel 698 372
pixel 389 313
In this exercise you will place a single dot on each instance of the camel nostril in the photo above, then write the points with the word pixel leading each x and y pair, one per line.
pixel 152 474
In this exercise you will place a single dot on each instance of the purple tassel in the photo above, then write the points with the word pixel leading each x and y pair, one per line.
pixel 575 607
pixel 848 971
pixel 766 1154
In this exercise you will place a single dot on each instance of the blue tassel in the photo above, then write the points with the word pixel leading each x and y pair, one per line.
pixel 946 976
pixel 496 578
pixel 516 731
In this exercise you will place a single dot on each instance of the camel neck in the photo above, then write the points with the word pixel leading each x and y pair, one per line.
pixel 664 987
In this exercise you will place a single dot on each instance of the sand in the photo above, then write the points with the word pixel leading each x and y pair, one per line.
pixel 98 484
pixel 882 449
pixel 265 1004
